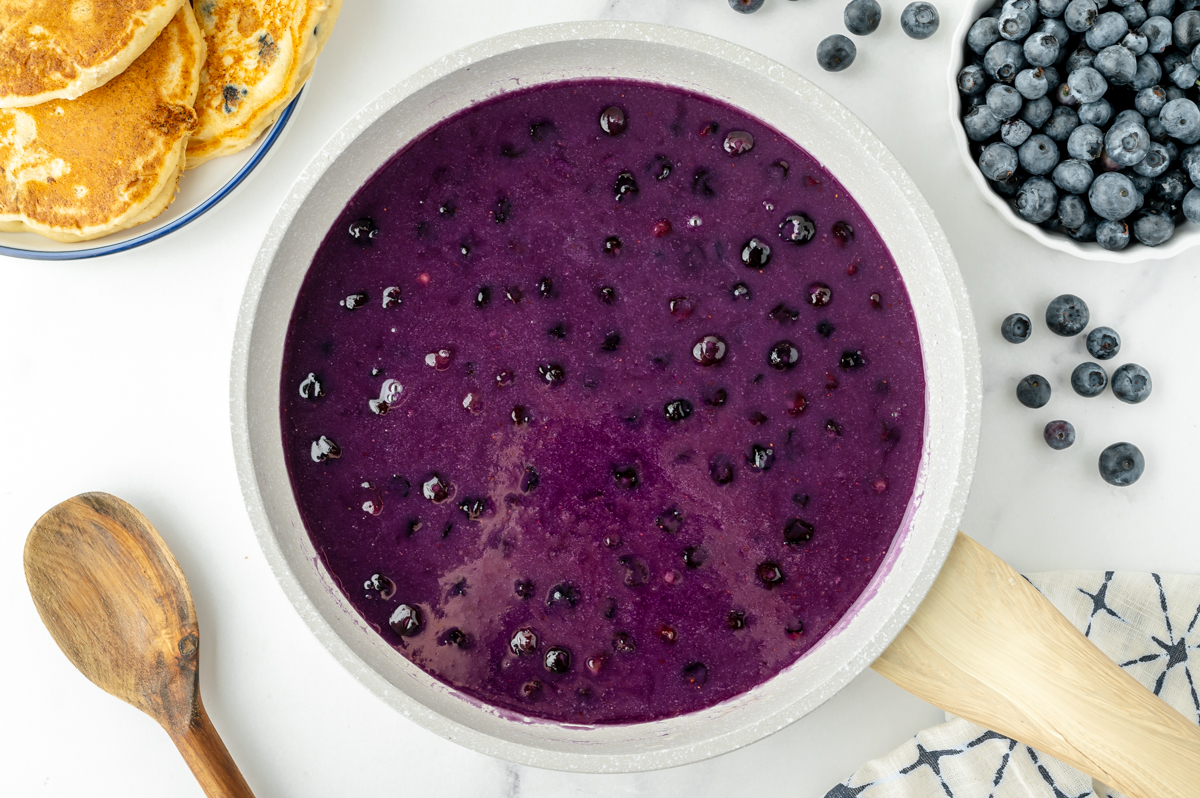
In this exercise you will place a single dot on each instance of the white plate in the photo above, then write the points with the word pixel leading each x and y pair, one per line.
pixel 200 190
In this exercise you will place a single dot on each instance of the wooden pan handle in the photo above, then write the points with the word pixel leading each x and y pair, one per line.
pixel 987 646
pixel 208 758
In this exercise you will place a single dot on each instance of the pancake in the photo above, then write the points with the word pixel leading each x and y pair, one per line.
pixel 59 49
pixel 74 170
pixel 260 52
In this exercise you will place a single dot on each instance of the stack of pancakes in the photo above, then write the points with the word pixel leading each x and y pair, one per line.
pixel 103 103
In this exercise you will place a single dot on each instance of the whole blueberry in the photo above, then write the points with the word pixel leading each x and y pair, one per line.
pixel 1157 131
pixel 1089 379
pixel 1182 120
pixel 920 20
pixel 1112 234
pixel 980 123
pixel 1033 391
pixel 1086 231
pixel 1191 206
pixel 1036 200
pixel 746 6
pixel 1127 142
pixel 1187 30
pixel 1073 176
pixel 1036 112
pixel 1008 188
pixel 1153 227
pixel 1122 464
pixel 1135 14
pixel 1085 143
pixel 1158 32
pixel 1059 434
pixel 1149 72
pixel 835 53
pixel 1015 132
pixel 1061 124
pixel 1116 64
pixel 1031 83
pixel 1113 196
pixel 1038 155
pixel 1160 8
pixel 1109 28
pixel 1080 57
pixel 1067 315
pixel 1051 74
pixel 1190 160
pixel 1172 185
pixel 1103 343
pixel 1080 15
pixel 1129 115
pixel 1087 84
pixel 1072 212
pixel 1003 100
pixel 998 161
pixel 1058 29
pixel 983 34
pixel 1041 49
pixel 1014 23
pixel 972 80
pixel 1052 8
pixel 1174 92
pixel 1097 113
pixel 1156 161
pixel 1150 100
pixel 1135 41
pixel 1184 75
pixel 862 16
pixel 1016 328
pixel 1131 383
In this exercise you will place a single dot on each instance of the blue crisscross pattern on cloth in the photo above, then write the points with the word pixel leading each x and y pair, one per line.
pixel 1148 623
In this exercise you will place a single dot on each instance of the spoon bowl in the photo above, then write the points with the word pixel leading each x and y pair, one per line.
pixel 115 601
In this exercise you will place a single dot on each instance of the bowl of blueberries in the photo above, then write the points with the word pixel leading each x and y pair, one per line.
pixel 1080 121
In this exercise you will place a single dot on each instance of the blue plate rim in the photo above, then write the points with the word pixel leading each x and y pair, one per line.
pixel 195 213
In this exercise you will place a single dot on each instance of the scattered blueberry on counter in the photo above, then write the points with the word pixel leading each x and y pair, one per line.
pixel 1033 391
pixel 1089 379
pixel 1098 106
pixel 1067 315
pixel 1122 464
pixel 1016 328
pixel 835 53
pixel 1059 434
pixel 1131 384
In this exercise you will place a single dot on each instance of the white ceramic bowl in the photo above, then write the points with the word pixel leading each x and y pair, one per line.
pixel 200 190
pixel 780 98
pixel 1187 235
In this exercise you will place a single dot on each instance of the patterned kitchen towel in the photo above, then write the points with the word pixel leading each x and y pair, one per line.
pixel 1142 621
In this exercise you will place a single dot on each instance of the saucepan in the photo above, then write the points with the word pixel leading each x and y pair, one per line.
pixel 984 644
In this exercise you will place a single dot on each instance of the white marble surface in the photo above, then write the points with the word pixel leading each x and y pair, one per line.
pixel 115 377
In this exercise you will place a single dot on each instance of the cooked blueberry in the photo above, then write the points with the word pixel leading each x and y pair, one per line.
pixel 323 449
pixel 552 373
pixel 832 426
pixel 694 557
pixel 796 404
pixel 563 594
pixel 1033 391
pixel 521 415
pixel 876 301
pixel 819 294
pixel 310 387
pixel 661 168
pixel 623 643
pixel 1131 383
pixel 695 674
pixel 1089 379
pixel 531 690
pixel 825 329
pixel 612 120
pixel 1122 464
pixel 794 628
pixel 702 184
pixel 612 341
pixel 363 230
pixel 661 228
pixel 669 520
pixel 783 356
pixel 720 468
pixel 502 211
pixel 835 53
pixel 504 378
pixel 557 660
pixel 709 350
pixel 391 297
pixel 667 634
pixel 716 398
pixel 523 588
pixel 1016 328
pixel 637 573
pixel 406 620
pixel 769 573
pixel 1059 434
pixel 852 359
pixel 1067 315
pixel 757 419
pixel 382 586
pixel 796 531
pixel 524 641
pixel 677 409
pixel 457 637
pixel 483 296
pixel 782 313
pixel 759 457
pixel 756 254
pixel 626 476
pixel 354 301
pixel 681 306
pixel 797 228
pixel 545 288
pixel 474 507
pixel 612 245
pixel 607 294
pixel 1103 343
pixel 626 186
pixel 736 619
pixel 558 331
pixel 740 291
pixel 801 499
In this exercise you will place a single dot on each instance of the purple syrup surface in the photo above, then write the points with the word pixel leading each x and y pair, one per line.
pixel 516 454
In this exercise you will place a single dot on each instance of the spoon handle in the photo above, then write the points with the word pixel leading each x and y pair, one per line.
pixel 208 758
pixel 987 646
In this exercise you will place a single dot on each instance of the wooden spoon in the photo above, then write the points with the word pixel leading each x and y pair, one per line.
pixel 987 646
pixel 118 606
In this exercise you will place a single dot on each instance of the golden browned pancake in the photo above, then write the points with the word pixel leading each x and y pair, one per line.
pixel 259 54
pixel 73 170
pixel 59 49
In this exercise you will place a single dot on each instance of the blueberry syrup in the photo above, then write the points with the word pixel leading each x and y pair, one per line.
pixel 621 359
